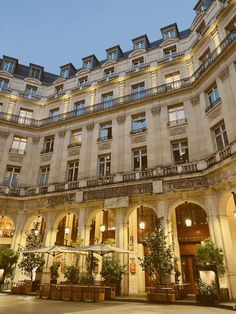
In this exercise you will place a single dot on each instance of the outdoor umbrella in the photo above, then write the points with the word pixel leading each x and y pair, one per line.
pixel 52 250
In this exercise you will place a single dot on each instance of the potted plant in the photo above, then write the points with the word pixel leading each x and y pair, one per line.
pixel 54 272
pixel 8 260
pixel 112 273
pixel 72 274
pixel 208 293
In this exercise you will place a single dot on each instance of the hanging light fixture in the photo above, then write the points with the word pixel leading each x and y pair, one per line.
pixel 36 228
pixel 102 228
pixel 142 223
pixel 67 228
pixel 188 222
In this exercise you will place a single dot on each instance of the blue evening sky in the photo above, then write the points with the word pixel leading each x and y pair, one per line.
pixel 55 32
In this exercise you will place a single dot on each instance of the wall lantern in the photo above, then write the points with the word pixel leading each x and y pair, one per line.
pixel 102 227
pixel 142 225
pixel 67 230
pixel 188 222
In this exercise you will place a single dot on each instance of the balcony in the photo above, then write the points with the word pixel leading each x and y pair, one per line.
pixel 17 151
pixel 213 105
pixel 171 57
pixel 135 97
pixel 140 130
pixel 176 122
pixel 104 138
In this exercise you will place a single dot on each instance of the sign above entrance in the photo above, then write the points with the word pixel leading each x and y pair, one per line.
pixel 116 202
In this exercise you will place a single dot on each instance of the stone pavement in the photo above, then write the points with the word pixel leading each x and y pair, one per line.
pixel 12 304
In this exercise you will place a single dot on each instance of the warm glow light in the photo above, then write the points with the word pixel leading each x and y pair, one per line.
pixel 67 230
pixel 36 232
pixel 234 213
pixel 102 228
pixel 188 222
pixel 142 225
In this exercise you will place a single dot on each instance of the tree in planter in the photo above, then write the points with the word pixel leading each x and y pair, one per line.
pixel 32 262
pixel 208 254
pixel 8 260
pixel 54 273
pixel 72 274
pixel 112 273
pixel 160 261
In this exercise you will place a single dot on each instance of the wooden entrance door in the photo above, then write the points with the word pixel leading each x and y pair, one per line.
pixel 189 273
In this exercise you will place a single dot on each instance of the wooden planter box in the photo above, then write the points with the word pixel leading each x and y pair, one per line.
pixel 66 292
pixel 110 293
pixel 77 293
pixel 210 299
pixel 162 297
pixel 45 291
pixel 55 292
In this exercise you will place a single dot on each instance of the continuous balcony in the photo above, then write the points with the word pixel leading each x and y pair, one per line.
pixel 131 98
pixel 158 173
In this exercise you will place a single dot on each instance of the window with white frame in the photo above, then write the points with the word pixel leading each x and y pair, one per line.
pixel 11 176
pixel 43 175
pixel 104 165
pixel 54 112
pixel 25 116
pixel 221 137
pixel 18 145
pixel 176 114
pixel 204 56
pixel 213 96
pixel 35 73
pixel 109 72
pixel 4 82
pixel 8 66
pixel 138 123
pixel 30 89
pixel 172 77
pixel 171 33
pixel 113 55
pixel 59 88
pixel 139 44
pixel 83 81
pixel 170 51
pixel 140 159
pixel 180 151
pixel 136 63
pixel 76 137
pixel 65 72
pixel 107 99
pixel 79 107
pixel 88 64
pixel 48 144
pixel 105 131
pixel 138 90
pixel 73 170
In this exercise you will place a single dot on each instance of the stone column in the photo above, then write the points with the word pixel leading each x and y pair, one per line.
pixel 121 88
pixel 190 66
pixel 153 78
pixel 11 105
pixel 66 104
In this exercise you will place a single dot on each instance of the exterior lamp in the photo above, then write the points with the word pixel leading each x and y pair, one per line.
pixel 234 213
pixel 67 230
pixel 142 225
pixel 36 232
pixel 188 222
pixel 102 228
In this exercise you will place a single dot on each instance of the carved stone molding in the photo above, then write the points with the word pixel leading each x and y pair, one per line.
pixel 121 119
pixel 224 74
pixel 16 158
pixel 138 138
pixel 62 133
pixel 213 114
pixel 4 134
pixel 74 151
pixel 90 126
pixel 45 157
pixel 156 110
pixel 35 139
pixel 104 145
pixel 195 100
pixel 177 131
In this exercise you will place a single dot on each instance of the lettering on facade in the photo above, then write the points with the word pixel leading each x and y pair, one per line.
pixel 118 192
pixel 60 200
pixel 187 183
pixel 157 187
pixel 117 202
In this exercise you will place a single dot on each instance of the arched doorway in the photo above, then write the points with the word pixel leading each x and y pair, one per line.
pixel 67 230
pixel 192 228
pixel 7 229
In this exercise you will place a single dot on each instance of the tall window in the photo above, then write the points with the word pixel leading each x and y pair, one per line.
pixel 109 72
pixel 170 51
pixel 73 169
pixel 107 100
pixel 139 123
pixel 11 176
pixel 213 96
pixel 48 144
pixel 138 90
pixel 18 145
pixel 221 136
pixel 76 137
pixel 54 112
pixel 35 73
pixel 140 159
pixel 205 55
pixel 79 107
pixel 137 63
pixel 43 176
pixel 83 81
pixel 32 90
pixel 8 66
pixel 59 88
pixel 25 116
pixel 176 115
pixel 104 165
pixel 180 151
pixel 65 73
pixel 4 82
pixel 105 131
pixel 170 78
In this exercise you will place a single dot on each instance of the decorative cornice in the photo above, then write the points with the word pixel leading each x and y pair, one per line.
pixel 62 133
pixel 35 139
pixel 195 100
pixel 90 126
pixel 224 74
pixel 4 134
pixel 156 110
pixel 121 119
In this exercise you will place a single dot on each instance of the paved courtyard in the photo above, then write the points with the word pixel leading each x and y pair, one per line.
pixel 10 304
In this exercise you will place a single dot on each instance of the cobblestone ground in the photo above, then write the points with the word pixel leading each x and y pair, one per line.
pixel 10 304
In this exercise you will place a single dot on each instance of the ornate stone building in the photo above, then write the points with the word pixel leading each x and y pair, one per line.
pixel 145 133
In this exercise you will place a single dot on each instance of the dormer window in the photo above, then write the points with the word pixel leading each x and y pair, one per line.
pixel 83 81
pixel 4 82
pixel 169 34
pixel 65 72
pixel 109 72
pixel 8 66
pixel 139 44
pixel 200 7
pixel 35 73
pixel 31 90
pixel 137 63
pixel 59 88
pixel 113 55
pixel 88 64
